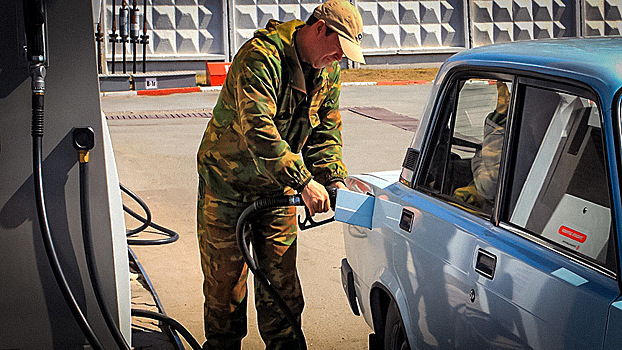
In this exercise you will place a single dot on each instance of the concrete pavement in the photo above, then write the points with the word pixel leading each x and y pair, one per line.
pixel 156 159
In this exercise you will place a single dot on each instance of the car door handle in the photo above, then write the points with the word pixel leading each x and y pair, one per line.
pixel 486 264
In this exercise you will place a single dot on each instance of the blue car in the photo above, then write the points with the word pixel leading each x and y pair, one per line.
pixel 501 229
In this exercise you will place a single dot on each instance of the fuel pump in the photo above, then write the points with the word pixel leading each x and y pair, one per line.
pixel 124 31
pixel 99 38
pixel 36 51
pixel 144 38
pixel 134 32
pixel 34 12
pixel 113 35
pixel 83 141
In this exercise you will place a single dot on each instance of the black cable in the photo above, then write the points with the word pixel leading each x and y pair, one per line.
pixel 90 256
pixel 172 323
pixel 172 235
pixel 243 222
pixel 37 147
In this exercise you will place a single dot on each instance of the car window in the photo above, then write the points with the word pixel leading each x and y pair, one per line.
pixel 559 189
pixel 464 164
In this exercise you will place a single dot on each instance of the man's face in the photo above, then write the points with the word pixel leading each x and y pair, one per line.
pixel 503 98
pixel 323 50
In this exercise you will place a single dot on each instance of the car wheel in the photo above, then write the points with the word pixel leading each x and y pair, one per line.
pixel 394 332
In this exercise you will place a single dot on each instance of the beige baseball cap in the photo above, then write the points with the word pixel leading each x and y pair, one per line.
pixel 342 17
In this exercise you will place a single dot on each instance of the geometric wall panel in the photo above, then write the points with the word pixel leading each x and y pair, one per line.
pixel 523 31
pixel 387 24
pixel 164 18
pixel 482 11
pixel 602 17
pixel 289 12
pixel 483 32
pixel 543 30
pixel 187 41
pixel 246 17
pixel 502 11
pixel 186 17
pixel 410 35
pixel 430 11
pixel 388 13
pixel 164 41
pixel 447 11
pixel 266 13
pixel 177 28
pixel 498 21
pixel 411 24
pixel 408 13
pixel 250 15
pixel 431 35
pixel 503 32
pixel 389 36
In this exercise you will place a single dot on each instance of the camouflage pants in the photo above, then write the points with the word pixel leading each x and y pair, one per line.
pixel 225 273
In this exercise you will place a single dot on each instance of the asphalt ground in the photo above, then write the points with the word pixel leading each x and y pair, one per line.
pixel 156 158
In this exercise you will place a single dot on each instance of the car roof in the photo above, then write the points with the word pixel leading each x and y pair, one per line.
pixel 595 61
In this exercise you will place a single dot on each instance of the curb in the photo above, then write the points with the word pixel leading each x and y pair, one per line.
pixel 118 93
pixel 399 82
pixel 162 92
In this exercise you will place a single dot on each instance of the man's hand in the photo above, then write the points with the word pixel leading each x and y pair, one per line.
pixel 316 198
pixel 339 185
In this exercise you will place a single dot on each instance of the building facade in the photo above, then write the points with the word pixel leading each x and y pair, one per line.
pixel 183 34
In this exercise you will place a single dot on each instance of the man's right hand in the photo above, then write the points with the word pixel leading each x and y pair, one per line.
pixel 316 198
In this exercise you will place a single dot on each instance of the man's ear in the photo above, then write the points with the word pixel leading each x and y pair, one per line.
pixel 320 27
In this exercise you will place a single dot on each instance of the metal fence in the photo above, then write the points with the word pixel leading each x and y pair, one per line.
pixel 198 30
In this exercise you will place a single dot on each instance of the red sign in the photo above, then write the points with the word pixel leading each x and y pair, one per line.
pixel 572 234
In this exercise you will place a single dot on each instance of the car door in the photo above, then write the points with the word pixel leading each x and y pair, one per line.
pixel 546 274
pixel 453 207
pixel 529 183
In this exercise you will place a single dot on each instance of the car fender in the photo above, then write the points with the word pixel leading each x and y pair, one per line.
pixel 388 283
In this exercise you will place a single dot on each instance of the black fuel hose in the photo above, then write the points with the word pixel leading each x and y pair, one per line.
pixel 94 274
pixel 90 257
pixel 243 222
pixel 172 323
pixel 44 224
pixel 146 222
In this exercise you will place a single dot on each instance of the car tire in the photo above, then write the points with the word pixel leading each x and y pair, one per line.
pixel 394 331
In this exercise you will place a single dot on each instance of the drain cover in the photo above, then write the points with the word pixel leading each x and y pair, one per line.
pixel 159 116
pixel 386 116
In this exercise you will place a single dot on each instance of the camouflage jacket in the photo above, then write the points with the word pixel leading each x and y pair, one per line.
pixel 265 119
pixel 485 163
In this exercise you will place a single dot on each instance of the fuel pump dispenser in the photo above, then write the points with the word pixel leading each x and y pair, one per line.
pixel 48 301
pixel 88 306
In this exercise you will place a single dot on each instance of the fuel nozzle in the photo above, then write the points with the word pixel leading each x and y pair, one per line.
pixel 36 44
pixel 308 221
pixel 35 25
pixel 38 71
pixel 332 195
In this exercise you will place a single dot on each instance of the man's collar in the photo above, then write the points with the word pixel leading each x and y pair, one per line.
pixel 287 33
pixel 288 37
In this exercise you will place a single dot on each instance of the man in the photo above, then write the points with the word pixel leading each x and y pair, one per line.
pixel 280 100
pixel 485 163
